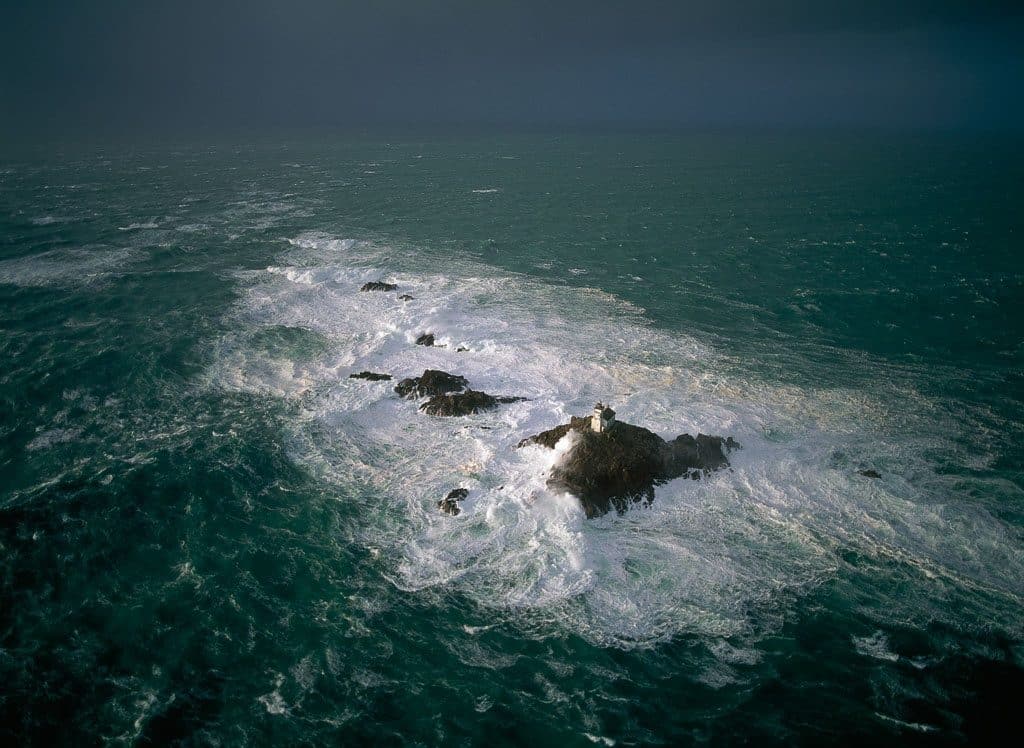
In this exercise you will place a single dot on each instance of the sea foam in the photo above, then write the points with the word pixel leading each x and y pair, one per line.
pixel 64 267
pixel 721 558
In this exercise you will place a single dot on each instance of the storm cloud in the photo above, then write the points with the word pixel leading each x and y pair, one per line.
pixel 77 66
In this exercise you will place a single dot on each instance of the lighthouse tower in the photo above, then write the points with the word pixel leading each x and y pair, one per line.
pixel 603 418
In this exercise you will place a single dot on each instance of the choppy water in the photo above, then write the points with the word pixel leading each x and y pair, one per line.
pixel 210 534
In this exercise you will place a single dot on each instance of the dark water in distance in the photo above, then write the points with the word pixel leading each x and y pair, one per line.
pixel 209 535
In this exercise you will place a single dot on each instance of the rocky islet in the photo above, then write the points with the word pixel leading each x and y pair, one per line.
pixel 609 464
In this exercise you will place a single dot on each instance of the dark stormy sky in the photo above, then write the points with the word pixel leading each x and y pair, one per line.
pixel 71 66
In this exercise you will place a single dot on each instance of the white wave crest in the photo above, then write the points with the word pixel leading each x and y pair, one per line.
pixel 719 558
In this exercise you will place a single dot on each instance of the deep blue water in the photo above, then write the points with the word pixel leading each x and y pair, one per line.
pixel 210 535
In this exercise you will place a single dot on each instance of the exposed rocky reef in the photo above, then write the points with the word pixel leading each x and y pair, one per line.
pixel 621 465
pixel 379 286
pixel 431 384
pixel 426 339
pixel 450 503
pixel 449 394
pixel 406 297
pixel 371 376
pixel 464 403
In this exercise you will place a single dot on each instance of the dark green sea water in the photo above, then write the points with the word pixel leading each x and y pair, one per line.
pixel 209 535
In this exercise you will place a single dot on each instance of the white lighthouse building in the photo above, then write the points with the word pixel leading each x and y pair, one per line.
pixel 603 418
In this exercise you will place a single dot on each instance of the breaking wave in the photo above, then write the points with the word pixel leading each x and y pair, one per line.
pixel 718 558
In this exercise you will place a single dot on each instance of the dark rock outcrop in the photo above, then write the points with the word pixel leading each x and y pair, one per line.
pixel 431 384
pixel 426 339
pixel 449 394
pixel 461 349
pixel 698 456
pixel 379 286
pixel 870 474
pixel 610 470
pixel 551 437
pixel 464 403
pixel 450 503
pixel 406 297
pixel 370 375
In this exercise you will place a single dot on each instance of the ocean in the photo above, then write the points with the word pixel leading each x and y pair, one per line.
pixel 211 535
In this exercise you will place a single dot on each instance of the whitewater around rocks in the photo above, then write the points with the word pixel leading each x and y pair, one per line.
pixel 716 557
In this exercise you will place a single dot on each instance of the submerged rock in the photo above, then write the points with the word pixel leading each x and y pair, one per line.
pixel 450 503
pixel 431 384
pixel 406 297
pixel 426 339
pixel 464 403
pixel 622 465
pixel 379 286
pixel 370 375
pixel 870 474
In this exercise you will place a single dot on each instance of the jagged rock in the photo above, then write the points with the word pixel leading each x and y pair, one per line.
pixel 610 470
pixel 551 437
pixel 449 394
pixel 450 503
pixel 704 454
pixel 870 474
pixel 370 375
pixel 406 297
pixel 464 403
pixel 426 339
pixel 461 349
pixel 379 286
pixel 431 384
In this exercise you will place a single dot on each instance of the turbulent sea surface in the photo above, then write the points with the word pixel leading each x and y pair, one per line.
pixel 210 535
